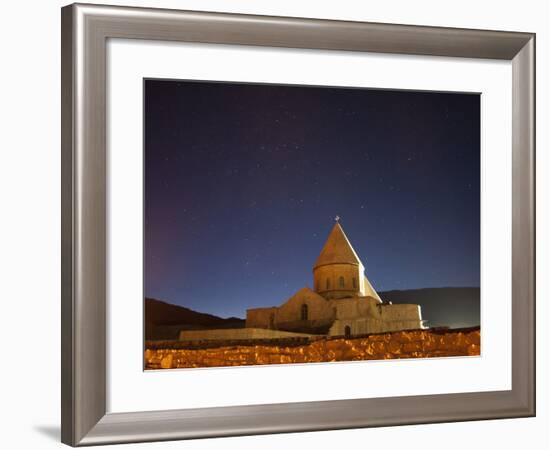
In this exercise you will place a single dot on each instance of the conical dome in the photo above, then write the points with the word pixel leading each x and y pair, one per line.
pixel 338 271
pixel 337 249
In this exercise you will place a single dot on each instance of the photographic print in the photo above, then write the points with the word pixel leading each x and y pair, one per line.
pixel 304 224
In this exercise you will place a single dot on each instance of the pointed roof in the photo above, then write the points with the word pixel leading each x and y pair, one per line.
pixel 337 249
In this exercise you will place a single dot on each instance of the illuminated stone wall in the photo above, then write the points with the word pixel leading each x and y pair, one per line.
pixel 326 280
pixel 236 334
pixel 402 344
pixel 290 311
pixel 288 315
pixel 260 317
pixel 363 315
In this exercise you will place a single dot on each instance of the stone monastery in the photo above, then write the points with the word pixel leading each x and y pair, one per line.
pixel 343 301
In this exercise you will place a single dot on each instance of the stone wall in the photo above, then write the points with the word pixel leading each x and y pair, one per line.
pixel 353 308
pixel 288 315
pixel 361 314
pixel 350 273
pixel 369 326
pixel 235 334
pixel 260 317
pixel 402 344
pixel 366 315
pixel 317 306
pixel 319 327
pixel 399 312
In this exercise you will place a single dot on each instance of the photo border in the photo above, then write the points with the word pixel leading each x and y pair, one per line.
pixel 85 30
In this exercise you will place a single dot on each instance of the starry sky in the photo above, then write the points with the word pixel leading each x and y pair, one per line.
pixel 243 182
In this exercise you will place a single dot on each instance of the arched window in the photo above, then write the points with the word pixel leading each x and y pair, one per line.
pixel 347 331
pixel 354 281
pixel 318 286
pixel 272 321
pixel 303 312
pixel 341 282
pixel 328 283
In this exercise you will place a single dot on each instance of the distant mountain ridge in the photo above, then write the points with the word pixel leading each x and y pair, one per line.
pixel 164 320
pixel 163 313
pixel 450 306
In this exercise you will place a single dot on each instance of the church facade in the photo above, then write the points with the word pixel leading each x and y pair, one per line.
pixel 342 302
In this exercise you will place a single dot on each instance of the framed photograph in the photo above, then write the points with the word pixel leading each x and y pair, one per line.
pixel 394 163
pixel 253 202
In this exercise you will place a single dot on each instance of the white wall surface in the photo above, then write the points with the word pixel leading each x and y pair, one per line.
pixel 30 221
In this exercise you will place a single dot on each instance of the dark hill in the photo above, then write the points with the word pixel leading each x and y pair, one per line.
pixel 164 320
pixel 162 313
pixel 452 307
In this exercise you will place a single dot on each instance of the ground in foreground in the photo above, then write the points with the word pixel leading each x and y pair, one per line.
pixel 402 344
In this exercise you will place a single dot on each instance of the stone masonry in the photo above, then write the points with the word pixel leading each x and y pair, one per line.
pixel 396 345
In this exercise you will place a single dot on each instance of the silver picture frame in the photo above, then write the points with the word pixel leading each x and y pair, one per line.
pixel 85 31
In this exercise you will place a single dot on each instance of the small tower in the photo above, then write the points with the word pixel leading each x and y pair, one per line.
pixel 338 271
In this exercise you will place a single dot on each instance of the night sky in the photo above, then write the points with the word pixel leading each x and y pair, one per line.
pixel 243 181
